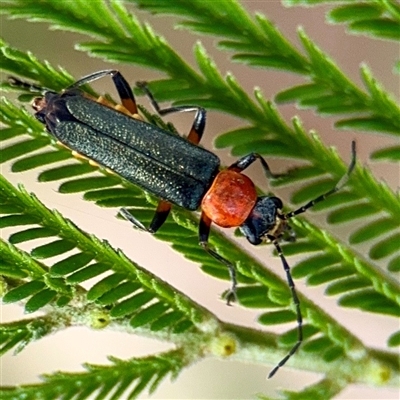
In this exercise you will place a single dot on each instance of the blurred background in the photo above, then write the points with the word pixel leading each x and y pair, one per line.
pixel 209 379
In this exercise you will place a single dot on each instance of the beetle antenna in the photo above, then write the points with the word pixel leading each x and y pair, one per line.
pixel 16 82
pixel 296 302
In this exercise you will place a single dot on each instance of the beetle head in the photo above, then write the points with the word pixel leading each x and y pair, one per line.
pixel 264 220
pixel 45 106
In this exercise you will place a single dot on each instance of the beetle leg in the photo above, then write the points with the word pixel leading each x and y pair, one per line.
pixel 136 223
pixel 197 129
pixel 204 231
pixel 125 92
pixel 161 214
pixel 158 220
pixel 342 182
pixel 249 159
pixel 296 302
pixel 120 83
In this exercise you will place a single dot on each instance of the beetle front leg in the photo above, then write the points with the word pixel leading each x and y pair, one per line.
pixel 296 302
pixel 249 159
pixel 204 231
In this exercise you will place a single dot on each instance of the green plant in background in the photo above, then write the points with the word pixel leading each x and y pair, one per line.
pixel 131 298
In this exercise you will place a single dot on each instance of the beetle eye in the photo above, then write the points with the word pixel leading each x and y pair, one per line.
pixel 277 201
pixel 40 116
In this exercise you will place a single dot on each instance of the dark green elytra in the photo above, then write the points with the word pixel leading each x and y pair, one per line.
pixel 160 162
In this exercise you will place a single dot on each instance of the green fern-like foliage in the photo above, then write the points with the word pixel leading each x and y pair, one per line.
pixel 124 294
pixel 376 18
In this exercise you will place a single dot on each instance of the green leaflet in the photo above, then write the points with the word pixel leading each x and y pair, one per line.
pixel 118 292
pixel 26 290
pixel 89 272
pixel 314 263
pixel 276 317
pixel 105 285
pixel 381 27
pixel 366 300
pixel 348 13
pixel 390 153
pixel 372 230
pixel 80 185
pixel 71 264
pixel 39 300
pixel 31 234
pixel 289 338
pixel 351 212
pixel 66 171
pixel 255 297
pixel 317 345
pixel 328 274
pixel 394 339
pixel 368 124
pixel 22 148
pixel 148 315
pixel 131 304
pixel 39 160
pixel 52 249
pixel 346 284
pixel 385 247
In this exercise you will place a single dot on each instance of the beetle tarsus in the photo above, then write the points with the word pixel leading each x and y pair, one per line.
pixel 134 221
pixel 231 295
pixel 296 302
pixel 284 359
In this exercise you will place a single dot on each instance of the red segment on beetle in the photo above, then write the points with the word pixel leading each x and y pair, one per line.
pixel 230 199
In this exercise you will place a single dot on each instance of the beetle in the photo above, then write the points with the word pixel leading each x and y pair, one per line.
pixel 173 168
